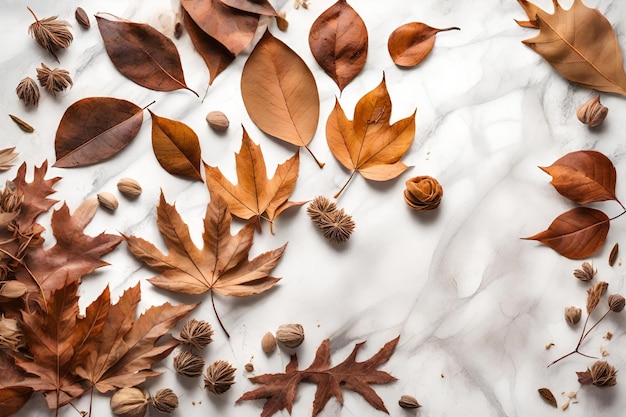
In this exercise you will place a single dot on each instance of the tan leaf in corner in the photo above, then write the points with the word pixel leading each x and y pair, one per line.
pixel 579 43
pixel 411 43
pixel 6 156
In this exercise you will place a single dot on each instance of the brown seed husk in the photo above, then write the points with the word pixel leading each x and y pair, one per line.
pixel 82 18
pixel 337 226
pixel 129 402
pixel 22 124
pixel 547 395
pixel 53 80
pixel 196 333
pixel 601 374
pixel 219 377
pixel 409 402
pixel 290 335
pixel 613 255
pixel 165 401
pixel 50 33
pixel 268 342
pixel 586 272
pixel 188 364
pixel 616 302
pixel 28 92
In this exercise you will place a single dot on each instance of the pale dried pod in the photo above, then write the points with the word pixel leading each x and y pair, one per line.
pixel 408 401
pixel 28 92
pixel 586 272
pixel 592 113
pixel 12 289
pixel 196 333
pixel 601 374
pixel 129 187
pixel 268 342
pixel 53 80
pixel 165 401
pixel 11 335
pixel 594 294
pixel 249 367
pixel 108 201
pixel 129 402
pixel 217 121
pixel 573 314
pixel 616 302
pixel 82 18
pixel 188 364
pixel 290 335
pixel 219 377
pixel 50 33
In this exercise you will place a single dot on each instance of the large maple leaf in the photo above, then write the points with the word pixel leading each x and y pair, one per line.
pixel 369 144
pixel 279 390
pixel 255 194
pixel 221 265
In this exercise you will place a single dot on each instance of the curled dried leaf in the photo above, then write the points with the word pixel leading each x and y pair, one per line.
pixel 53 80
pixel 50 33
pixel 586 272
pixel 423 193
pixel 547 395
pixel 219 377
pixel 28 92
pixel 594 294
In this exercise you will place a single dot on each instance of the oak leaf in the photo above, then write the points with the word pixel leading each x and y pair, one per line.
pixel 280 93
pixel 579 43
pixel 412 42
pixel 94 129
pixel 220 266
pixel 577 233
pixel 36 192
pixel 338 41
pixel 369 144
pixel 279 390
pixel 143 54
pixel 255 195
pixel 176 147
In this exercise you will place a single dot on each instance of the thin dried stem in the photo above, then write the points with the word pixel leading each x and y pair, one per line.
pixel 218 317
pixel 345 185
pixel 319 164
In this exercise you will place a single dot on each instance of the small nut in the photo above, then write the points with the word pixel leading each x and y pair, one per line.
pixel 573 314
pixel 423 193
pixel 616 302
pixel 249 367
pixel 408 401
pixel 82 18
pixel 592 113
pixel 107 200
pixel 129 402
pixel 268 343
pixel 165 401
pixel 217 121
pixel 290 335
pixel 129 187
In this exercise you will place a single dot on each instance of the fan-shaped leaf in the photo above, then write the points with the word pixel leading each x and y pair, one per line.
pixel 338 41
pixel 94 129
pixel 411 43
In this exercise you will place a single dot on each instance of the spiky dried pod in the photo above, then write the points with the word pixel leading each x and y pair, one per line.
pixel 601 374
pixel 28 92
pixel 219 377
pixel 165 401
pixel 53 80
pixel 50 33
pixel 196 333
pixel 188 364
pixel 129 402
pixel 319 207
pixel 337 226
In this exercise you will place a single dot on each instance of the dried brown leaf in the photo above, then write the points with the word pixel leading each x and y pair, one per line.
pixel 13 398
pixel 262 7
pixel 7 155
pixel 412 42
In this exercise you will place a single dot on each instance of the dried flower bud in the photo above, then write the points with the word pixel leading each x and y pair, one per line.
pixel 594 294
pixel 319 207
pixel 188 364
pixel 423 193
pixel 408 401
pixel 82 18
pixel 53 80
pixel 7 155
pixel 592 113
pixel 586 272
pixel 50 33
pixel 268 343
pixel 573 314
pixel 10 203
pixel 11 336
pixel 290 335
pixel 165 400
pixel 12 289
pixel 28 92
pixel 196 333
pixel 601 374
pixel 616 302
pixel 219 377
pixel 129 402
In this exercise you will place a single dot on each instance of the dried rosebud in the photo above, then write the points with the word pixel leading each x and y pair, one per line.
pixel 594 294
pixel 50 33
pixel 337 226
pixel 11 336
pixel 28 92
pixel 573 314
pixel 616 302
pixel 319 207
pixel 423 193
pixel 196 333
pixel 129 402
pixel 586 272
pixel 268 342
pixel 165 400
pixel 188 364
pixel 592 113
pixel 601 374
pixel 53 80
pixel 290 335
pixel 219 377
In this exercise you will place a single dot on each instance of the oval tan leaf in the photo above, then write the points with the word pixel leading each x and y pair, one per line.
pixel 143 54
pixel 411 43
pixel 338 41
pixel 94 129
pixel 12 399
pixel 583 177
pixel 576 234
pixel 280 93
pixel 176 147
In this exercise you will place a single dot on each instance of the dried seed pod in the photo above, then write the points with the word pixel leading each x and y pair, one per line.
pixel 290 335
pixel 573 314
pixel 249 367
pixel 592 113
pixel 50 33
pixel 547 395
pixel 12 289
pixel 613 254
pixel 28 92
pixel 129 402
pixel 319 207
pixel 53 80
pixel 594 294
pixel 108 201
pixel 423 193
pixel 408 401
pixel 586 272
pixel 165 401
pixel 82 18
pixel 337 226
pixel 178 30
pixel 25 127
pixel 219 377
pixel 196 333
pixel 188 364
pixel 217 121
pixel 616 302
pixel 129 187
pixel 11 336
pixel 601 374
pixel 268 343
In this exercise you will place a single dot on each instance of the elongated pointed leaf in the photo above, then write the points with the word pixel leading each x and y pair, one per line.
pixel 338 40
pixel 576 234
pixel 94 129
pixel 176 147
pixel 411 43
pixel 143 54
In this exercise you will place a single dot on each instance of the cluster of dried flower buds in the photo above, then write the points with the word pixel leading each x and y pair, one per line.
pixel 335 224
pixel 601 374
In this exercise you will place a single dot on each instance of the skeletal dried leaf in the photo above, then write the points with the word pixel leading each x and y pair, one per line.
pixel 412 42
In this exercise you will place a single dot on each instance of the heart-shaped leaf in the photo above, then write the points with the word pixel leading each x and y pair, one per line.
pixel 94 129
pixel 576 234
pixel 176 147
pixel 338 41
pixel 411 43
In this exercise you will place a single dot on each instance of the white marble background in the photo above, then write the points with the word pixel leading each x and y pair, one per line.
pixel 473 304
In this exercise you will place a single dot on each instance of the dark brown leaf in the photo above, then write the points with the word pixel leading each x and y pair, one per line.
pixel 12 399
pixel 576 234
pixel 338 41
pixel 411 43
pixel 583 177
pixel 176 147
pixel 143 54
pixel 94 129
pixel 35 194
pixel 262 7
pixel 547 395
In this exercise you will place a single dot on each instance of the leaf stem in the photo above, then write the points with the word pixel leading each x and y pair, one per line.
pixel 619 215
pixel 319 164
pixel 345 185
pixel 218 316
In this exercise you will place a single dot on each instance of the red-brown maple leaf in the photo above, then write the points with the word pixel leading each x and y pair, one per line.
pixel 279 390
pixel 35 195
